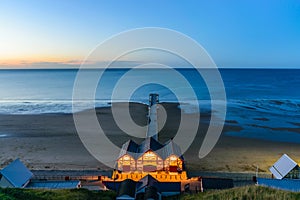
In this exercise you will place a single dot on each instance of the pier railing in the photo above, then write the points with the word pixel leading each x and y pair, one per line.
pixel 70 175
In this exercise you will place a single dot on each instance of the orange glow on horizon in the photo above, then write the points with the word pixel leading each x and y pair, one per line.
pixel 49 62
pixel 29 62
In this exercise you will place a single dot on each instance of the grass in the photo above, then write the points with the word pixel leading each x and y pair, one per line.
pixel 241 193
pixel 244 193
pixel 41 194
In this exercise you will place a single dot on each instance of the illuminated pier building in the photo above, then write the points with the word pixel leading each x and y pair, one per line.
pixel 164 162
pixel 150 170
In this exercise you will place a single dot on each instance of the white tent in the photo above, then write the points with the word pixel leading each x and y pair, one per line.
pixel 15 174
pixel 283 166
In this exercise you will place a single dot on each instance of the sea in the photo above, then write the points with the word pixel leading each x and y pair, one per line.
pixel 265 103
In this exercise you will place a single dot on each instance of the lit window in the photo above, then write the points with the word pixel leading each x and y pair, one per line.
pixel 173 158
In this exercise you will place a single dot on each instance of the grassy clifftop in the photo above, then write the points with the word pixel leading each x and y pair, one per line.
pixel 243 193
pixel 76 194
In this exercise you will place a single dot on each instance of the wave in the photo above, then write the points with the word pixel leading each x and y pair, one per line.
pixel 42 106
pixel 289 107
pixel 267 106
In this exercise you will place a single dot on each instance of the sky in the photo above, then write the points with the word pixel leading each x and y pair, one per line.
pixel 62 33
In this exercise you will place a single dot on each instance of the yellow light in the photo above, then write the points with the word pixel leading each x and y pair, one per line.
pixel 149 154
pixel 173 158
pixel 126 158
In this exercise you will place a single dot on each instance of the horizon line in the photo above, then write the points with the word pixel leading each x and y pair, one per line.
pixel 124 68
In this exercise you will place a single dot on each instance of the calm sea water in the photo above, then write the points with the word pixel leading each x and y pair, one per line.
pixel 264 102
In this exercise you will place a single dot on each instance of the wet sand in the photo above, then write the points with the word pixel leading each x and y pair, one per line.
pixel 50 141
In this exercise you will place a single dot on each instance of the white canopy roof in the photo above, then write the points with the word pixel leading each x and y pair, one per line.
pixel 283 166
pixel 17 173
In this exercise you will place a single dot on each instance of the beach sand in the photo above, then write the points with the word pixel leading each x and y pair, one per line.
pixel 50 141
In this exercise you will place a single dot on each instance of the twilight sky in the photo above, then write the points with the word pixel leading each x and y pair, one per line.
pixel 61 33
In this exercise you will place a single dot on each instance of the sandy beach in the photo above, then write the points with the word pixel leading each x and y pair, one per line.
pixel 50 141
